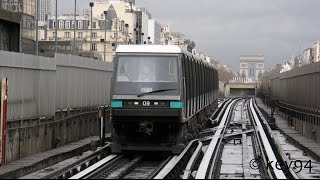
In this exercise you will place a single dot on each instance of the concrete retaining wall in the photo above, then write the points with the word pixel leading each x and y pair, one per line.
pixel 52 101
pixel 299 87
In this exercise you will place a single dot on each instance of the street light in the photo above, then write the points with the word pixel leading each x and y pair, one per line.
pixel 37 28
pixel 75 26
pixel 127 30
pixel 91 4
pixel 105 33
pixel 142 34
pixel 56 29
pixel 149 40
pixel 131 2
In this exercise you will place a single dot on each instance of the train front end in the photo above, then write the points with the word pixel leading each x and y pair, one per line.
pixel 146 99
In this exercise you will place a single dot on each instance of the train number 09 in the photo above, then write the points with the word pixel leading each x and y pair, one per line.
pixel 146 103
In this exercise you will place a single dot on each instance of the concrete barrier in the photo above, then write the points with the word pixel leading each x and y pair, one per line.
pixel 52 101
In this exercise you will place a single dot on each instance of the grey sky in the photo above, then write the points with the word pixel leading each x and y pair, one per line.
pixel 226 29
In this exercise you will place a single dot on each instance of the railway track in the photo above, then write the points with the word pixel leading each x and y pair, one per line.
pixel 241 145
pixel 130 167
pixel 240 141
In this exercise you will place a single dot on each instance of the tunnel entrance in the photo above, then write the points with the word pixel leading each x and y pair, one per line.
pixel 242 92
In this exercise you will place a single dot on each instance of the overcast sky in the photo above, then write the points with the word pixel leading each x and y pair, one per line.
pixel 226 29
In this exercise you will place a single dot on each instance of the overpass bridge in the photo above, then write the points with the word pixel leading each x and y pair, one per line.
pixel 240 87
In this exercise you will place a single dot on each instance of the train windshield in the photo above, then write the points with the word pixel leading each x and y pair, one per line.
pixel 145 73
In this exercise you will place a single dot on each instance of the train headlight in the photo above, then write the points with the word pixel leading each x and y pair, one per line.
pixel 116 104
pixel 176 104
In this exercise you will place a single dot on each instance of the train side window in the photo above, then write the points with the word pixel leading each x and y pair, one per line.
pixel 197 85
pixel 194 92
pixel 188 84
pixel 185 74
pixel 217 79
pixel 202 86
pixel 191 85
pixel 205 85
pixel 208 83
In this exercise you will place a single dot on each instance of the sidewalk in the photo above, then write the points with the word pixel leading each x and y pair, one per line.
pixel 29 164
pixel 308 145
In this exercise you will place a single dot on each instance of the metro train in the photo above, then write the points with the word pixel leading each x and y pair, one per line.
pixel 161 97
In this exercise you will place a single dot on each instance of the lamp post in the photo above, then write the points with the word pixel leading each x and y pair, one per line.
pixel 37 28
pixel 75 26
pixel 116 33
pixel 142 34
pixel 56 29
pixel 105 33
pixel 131 2
pixel 149 40
pixel 127 30
pixel 91 4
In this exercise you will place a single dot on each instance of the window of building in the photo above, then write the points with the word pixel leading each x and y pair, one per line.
pixel 79 46
pixel 94 47
pixel 80 25
pixel 53 24
pixel 94 25
pixel 94 35
pixel 67 35
pixel 80 35
pixel 67 24
pixel 61 24
pixel 73 24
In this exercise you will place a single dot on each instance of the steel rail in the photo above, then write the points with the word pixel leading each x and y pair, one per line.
pixel 203 171
pixel 277 145
pixel 175 162
pixel 192 161
pixel 79 165
pixel 270 155
pixel 104 162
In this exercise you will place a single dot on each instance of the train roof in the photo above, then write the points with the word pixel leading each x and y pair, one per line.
pixel 171 49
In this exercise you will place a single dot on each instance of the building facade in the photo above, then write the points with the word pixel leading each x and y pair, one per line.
pixel 45 9
pixel 124 24
pixel 17 25
pixel 310 55
pixel 315 56
pixel 124 10
pixel 154 32
pixel 115 29
pixel 251 66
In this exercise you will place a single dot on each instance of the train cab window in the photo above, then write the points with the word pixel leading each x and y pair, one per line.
pixel 147 69
pixel 122 71
pixel 146 72
pixel 136 74
pixel 173 67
